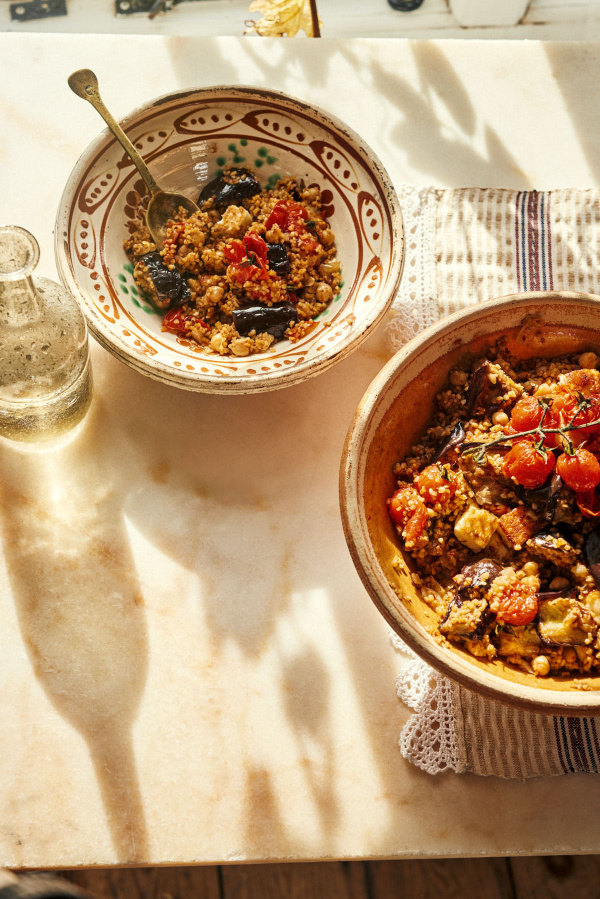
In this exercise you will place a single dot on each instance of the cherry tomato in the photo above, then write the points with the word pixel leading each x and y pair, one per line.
pixel 176 320
pixel 527 414
pixel 289 215
pixel 255 244
pixel 590 413
pixel 248 259
pixel 408 511
pixel 246 272
pixel 234 251
pixel 583 380
pixel 515 603
pixel 527 465
pixel 436 484
pixel 580 471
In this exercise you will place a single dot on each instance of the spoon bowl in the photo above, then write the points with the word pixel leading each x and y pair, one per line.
pixel 163 204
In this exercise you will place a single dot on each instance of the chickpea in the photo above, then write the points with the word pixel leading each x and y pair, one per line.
pixel 569 655
pixel 500 418
pixel 324 292
pixel 458 378
pixel 588 360
pixel 310 194
pixel 213 295
pixel 531 581
pixel 218 343
pixel 541 666
pixel 579 571
pixel 544 390
pixel 239 347
pixel 531 568
pixel 326 237
pixel 328 268
pixel 559 583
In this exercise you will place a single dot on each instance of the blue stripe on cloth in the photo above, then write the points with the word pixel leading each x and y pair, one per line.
pixel 565 744
pixel 523 241
pixel 590 748
pixel 543 261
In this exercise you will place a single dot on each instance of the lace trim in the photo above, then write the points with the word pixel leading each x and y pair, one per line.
pixel 429 739
pixel 415 307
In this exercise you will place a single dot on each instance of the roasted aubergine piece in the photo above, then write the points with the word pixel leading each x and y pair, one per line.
pixel 565 622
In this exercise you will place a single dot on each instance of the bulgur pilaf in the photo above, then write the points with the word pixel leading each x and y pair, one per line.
pixel 499 505
pixel 252 266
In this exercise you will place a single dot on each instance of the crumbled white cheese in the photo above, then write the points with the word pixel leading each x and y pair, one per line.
pixel 475 528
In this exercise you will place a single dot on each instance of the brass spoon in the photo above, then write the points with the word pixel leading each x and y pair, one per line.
pixel 163 204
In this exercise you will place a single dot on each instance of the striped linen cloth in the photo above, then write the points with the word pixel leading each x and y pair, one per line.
pixel 463 246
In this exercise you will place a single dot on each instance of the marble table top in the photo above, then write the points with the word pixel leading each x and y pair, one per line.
pixel 190 669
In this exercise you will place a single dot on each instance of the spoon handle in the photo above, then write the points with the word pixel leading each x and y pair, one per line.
pixel 84 83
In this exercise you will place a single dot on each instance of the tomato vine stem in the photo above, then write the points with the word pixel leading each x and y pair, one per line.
pixel 479 450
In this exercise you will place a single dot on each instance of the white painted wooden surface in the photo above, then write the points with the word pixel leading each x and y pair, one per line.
pixel 544 20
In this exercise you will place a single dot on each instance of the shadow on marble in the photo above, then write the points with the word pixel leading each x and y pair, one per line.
pixel 79 607
pixel 285 64
pixel 577 91
pixel 431 146
pixel 241 492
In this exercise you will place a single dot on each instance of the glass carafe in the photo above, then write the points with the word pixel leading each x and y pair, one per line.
pixel 45 371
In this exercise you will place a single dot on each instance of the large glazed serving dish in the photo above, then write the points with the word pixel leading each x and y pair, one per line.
pixel 186 139
pixel 394 412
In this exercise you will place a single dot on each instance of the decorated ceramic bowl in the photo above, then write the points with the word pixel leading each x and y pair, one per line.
pixel 187 138
pixel 393 413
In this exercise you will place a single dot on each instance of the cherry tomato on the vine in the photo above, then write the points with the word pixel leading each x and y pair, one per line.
pixel 527 465
pixel 588 414
pixel 580 471
pixel 436 484
pixel 527 414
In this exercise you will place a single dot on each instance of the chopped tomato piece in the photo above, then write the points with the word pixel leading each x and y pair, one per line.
pixel 248 259
pixel 171 242
pixel 527 465
pixel 513 601
pixel 588 502
pixel 408 511
pixel 234 251
pixel 289 215
pixel 176 320
pixel 436 484
pixel 255 244
pixel 580 471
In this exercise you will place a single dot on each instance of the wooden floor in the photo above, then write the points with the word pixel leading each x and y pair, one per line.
pixel 549 877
